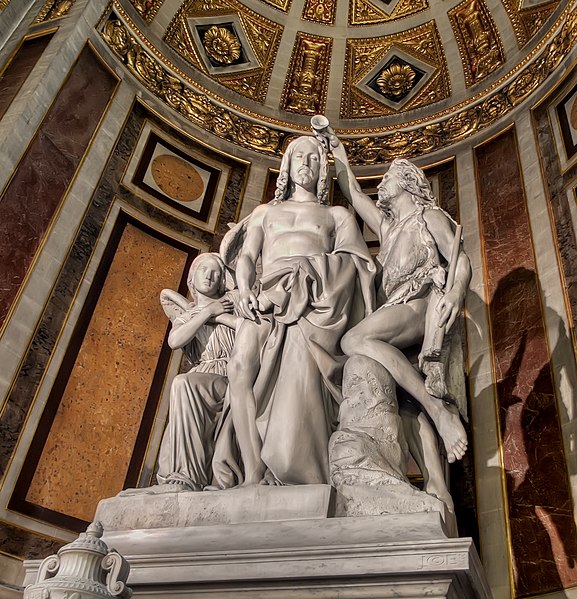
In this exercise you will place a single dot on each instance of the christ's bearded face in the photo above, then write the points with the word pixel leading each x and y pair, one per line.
pixel 305 165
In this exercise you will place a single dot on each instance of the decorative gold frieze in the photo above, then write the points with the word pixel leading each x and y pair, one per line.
pixel 446 130
pixel 4 4
pixel 363 57
pixel 53 9
pixel 262 35
pixel 527 21
pixel 305 89
pixel 478 40
pixel 320 11
pixel 147 9
pixel 364 12
pixel 195 106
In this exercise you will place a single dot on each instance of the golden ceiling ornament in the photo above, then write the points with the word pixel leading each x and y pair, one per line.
pixel 434 136
pixel 53 9
pixel 528 21
pixel 221 45
pixel 200 110
pixel 396 79
pixel 193 105
pixel 478 40
pixel 364 54
pixel 262 34
pixel 305 88
pixel 364 12
pixel 320 11
pixel 283 5
pixel 4 4
pixel 147 9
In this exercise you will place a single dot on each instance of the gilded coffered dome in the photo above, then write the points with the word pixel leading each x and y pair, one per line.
pixel 393 76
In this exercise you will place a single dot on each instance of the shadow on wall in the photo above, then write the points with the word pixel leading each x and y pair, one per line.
pixel 542 530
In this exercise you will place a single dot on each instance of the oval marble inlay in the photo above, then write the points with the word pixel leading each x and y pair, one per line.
pixel 177 178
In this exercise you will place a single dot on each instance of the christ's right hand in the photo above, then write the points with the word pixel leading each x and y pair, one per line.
pixel 248 304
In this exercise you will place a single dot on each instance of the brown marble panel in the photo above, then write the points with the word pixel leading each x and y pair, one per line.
pixel 17 70
pixel 88 450
pixel 13 416
pixel 35 192
pixel 540 511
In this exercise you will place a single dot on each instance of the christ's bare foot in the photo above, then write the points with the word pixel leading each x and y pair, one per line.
pixel 452 432
pixel 270 479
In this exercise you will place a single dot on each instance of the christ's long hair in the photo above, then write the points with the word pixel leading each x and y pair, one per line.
pixel 283 187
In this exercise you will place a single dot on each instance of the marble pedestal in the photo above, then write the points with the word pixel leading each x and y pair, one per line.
pixel 296 550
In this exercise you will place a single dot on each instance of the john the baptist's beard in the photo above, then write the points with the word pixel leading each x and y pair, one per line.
pixel 384 200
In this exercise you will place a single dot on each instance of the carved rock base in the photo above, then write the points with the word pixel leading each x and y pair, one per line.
pixel 369 447
pixel 403 555
pixel 258 503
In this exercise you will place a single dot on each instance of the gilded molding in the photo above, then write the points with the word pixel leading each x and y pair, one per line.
pixel 363 55
pixel 478 40
pixel 305 89
pixel 197 106
pixel 53 9
pixel 434 136
pixel 262 34
pixel 283 5
pixel 320 11
pixel 4 4
pixel 364 12
pixel 147 9
pixel 527 21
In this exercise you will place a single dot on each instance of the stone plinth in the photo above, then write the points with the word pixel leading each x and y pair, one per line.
pixel 165 507
pixel 403 555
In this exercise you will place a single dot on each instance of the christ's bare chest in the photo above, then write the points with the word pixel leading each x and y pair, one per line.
pixel 305 218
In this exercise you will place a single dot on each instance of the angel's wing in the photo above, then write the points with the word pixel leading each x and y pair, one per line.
pixel 174 304
pixel 231 243
pixel 230 248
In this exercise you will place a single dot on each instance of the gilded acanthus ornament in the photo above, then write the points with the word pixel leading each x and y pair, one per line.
pixel 221 45
pixel 193 105
pixel 396 79
pixel 147 9
pixel 366 58
pixel 365 12
pixel 478 40
pixel 197 106
pixel 53 9
pixel 306 85
pixel 320 11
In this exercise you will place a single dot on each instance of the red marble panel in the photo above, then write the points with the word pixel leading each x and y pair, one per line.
pixel 539 506
pixel 42 177
pixel 18 69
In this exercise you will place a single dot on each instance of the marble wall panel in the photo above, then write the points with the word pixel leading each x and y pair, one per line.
pixel 88 449
pixel 19 67
pixel 543 537
pixel 34 194
pixel 37 357
pixel 557 183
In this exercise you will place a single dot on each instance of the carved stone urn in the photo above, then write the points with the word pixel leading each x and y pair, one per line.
pixel 83 569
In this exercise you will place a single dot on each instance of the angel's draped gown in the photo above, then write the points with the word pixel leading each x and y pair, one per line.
pixel 196 406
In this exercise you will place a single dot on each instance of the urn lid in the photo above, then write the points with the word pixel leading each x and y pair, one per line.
pixel 88 541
